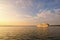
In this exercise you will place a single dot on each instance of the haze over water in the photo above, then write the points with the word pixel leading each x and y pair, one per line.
pixel 30 33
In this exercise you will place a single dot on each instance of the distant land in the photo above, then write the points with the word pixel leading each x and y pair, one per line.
pixel 16 25
pixel 22 25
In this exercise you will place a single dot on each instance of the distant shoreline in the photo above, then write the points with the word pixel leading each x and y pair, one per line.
pixel 23 25
pixel 16 25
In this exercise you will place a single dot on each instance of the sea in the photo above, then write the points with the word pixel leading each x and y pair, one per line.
pixel 30 33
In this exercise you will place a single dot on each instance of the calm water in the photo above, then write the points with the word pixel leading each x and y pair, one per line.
pixel 30 33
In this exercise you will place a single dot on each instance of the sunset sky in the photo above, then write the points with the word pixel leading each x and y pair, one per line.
pixel 29 12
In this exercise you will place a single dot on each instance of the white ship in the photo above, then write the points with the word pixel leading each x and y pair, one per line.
pixel 43 25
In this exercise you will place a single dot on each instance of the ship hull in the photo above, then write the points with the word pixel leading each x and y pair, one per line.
pixel 42 25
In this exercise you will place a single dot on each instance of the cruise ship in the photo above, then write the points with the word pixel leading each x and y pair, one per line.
pixel 43 25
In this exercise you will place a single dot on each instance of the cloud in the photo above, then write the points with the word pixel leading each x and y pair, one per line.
pixel 6 9
pixel 48 16
pixel 48 13
pixel 24 3
pixel 28 11
pixel 28 5
pixel 7 13
pixel 43 14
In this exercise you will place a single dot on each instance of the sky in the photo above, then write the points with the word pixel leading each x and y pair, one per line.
pixel 29 12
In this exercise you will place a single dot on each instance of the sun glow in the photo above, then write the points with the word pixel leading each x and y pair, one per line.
pixel 7 15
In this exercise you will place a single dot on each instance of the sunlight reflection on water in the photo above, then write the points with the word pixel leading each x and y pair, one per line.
pixel 29 33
